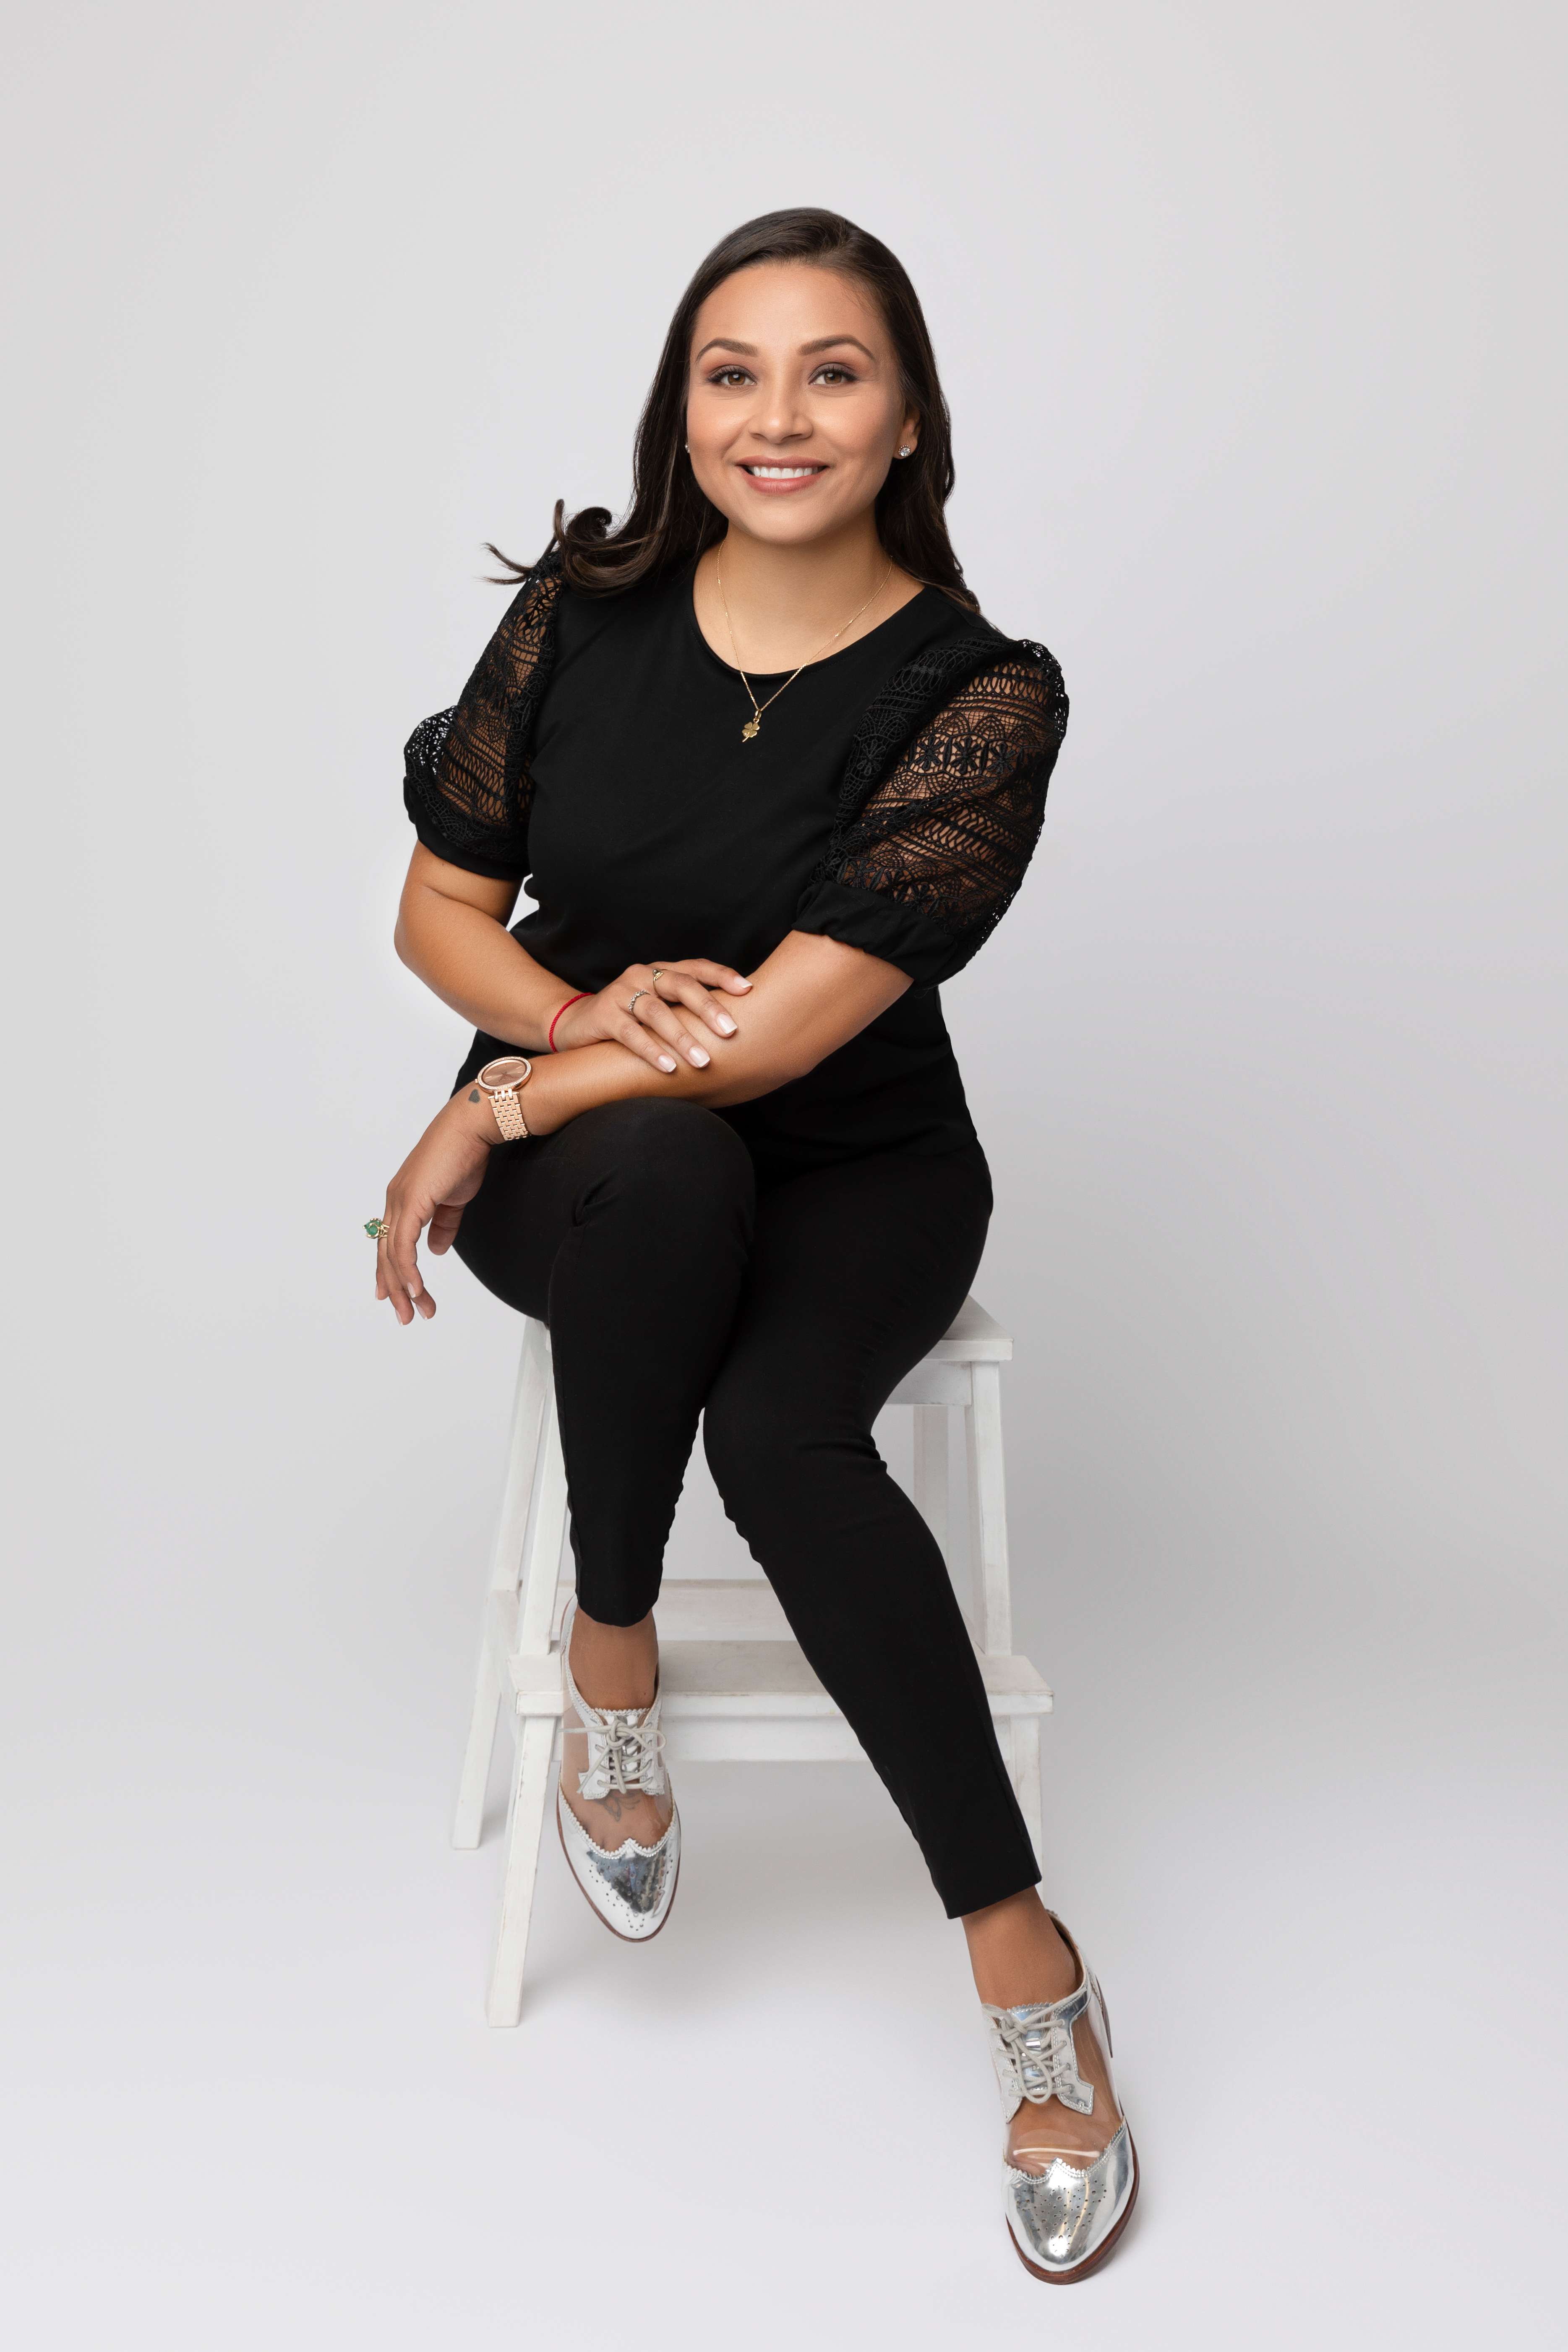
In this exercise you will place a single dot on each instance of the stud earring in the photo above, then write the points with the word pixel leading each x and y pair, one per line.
pixel 906 453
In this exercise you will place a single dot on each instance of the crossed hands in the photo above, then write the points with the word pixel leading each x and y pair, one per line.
pixel 656 1011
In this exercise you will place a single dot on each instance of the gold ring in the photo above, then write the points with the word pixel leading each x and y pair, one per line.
pixel 658 971
pixel 377 1228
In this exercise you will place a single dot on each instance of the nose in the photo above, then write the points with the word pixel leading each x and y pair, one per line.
pixel 780 416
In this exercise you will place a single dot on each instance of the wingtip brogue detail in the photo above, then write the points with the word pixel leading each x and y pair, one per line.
pixel 1067 2208
pixel 631 1886
pixel 631 1889
pixel 1065 2220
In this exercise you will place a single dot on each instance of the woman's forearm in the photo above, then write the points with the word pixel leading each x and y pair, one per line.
pixel 467 958
pixel 810 996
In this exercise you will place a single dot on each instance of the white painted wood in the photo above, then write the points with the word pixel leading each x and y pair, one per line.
pixel 531 1789
pixel 720 1609
pixel 929 1383
pixel 469 1818
pixel 736 1685
pixel 931 1480
pixel 534 1394
pixel 546 1539
pixel 992 1599
pixel 534 1390
pixel 1027 1782
pixel 931 1474
pixel 736 1680
pixel 763 1739
pixel 702 1607
pixel 973 1338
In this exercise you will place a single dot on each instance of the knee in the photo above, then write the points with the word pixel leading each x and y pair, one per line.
pixel 770 1450
pixel 735 1435
pixel 675 1158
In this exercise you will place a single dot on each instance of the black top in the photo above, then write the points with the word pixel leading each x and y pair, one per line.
pixel 891 800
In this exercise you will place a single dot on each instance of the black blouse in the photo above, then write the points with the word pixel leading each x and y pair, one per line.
pixel 893 800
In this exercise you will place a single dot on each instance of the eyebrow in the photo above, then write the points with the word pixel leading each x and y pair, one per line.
pixel 749 351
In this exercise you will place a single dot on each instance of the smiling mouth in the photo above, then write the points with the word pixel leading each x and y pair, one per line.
pixel 783 473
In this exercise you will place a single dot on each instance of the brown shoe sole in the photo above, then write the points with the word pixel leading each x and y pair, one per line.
pixel 620 1936
pixel 1083 2270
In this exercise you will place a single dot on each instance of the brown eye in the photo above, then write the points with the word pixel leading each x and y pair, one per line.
pixel 834 374
pixel 730 375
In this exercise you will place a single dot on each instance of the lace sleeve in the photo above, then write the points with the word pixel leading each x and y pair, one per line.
pixel 945 833
pixel 466 780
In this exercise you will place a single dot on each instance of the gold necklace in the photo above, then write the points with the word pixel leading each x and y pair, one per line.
pixel 754 724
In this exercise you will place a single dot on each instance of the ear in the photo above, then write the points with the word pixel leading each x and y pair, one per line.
pixel 909 432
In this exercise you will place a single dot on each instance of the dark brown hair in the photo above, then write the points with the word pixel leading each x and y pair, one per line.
pixel 670 520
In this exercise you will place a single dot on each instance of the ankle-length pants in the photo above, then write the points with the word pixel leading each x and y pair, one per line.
pixel 674 1288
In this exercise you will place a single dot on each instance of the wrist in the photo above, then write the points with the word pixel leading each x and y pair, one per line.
pixel 504 1099
pixel 540 1099
pixel 470 1107
pixel 553 1040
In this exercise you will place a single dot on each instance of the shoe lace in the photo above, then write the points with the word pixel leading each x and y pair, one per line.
pixel 1040 2058
pixel 624 1755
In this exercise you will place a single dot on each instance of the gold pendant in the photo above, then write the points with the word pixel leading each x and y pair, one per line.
pixel 748 729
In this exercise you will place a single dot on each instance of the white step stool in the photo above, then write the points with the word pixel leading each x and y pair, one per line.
pixel 736 1687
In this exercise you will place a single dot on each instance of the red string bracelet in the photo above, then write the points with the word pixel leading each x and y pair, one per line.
pixel 550 1040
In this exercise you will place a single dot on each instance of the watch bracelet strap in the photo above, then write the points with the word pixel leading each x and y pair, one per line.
pixel 509 1114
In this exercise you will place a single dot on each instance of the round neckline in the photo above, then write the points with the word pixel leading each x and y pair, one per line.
pixel 732 669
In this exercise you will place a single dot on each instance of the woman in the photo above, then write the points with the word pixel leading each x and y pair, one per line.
pixel 763 719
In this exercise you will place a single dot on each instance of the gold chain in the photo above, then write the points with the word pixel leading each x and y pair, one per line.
pixel 753 725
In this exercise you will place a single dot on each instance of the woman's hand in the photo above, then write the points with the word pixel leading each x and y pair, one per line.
pixel 656 1027
pixel 433 1187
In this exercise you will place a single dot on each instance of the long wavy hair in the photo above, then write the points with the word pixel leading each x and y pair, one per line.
pixel 672 520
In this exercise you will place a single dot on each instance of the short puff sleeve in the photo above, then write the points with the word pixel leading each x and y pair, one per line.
pixel 465 783
pixel 924 868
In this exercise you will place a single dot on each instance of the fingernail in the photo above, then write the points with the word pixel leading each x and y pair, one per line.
pixel 665 1062
pixel 727 1025
pixel 742 983
pixel 699 1057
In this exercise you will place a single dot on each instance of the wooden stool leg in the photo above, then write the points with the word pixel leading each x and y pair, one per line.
pixel 469 1818
pixel 988 1513
pixel 546 1539
pixel 930 1470
pixel 1027 1782
pixel 529 1793
pixel 508 1565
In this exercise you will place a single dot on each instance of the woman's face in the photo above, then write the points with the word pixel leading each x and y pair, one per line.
pixel 794 410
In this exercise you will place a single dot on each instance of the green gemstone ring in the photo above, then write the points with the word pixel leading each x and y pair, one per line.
pixel 377 1228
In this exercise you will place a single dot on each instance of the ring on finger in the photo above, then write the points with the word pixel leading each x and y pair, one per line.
pixel 633 1005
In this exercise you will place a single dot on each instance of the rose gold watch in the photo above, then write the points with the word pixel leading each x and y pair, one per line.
pixel 501 1080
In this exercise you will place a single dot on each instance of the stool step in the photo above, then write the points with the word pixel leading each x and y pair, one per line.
pixel 706 1608
pixel 973 1338
pixel 728 1680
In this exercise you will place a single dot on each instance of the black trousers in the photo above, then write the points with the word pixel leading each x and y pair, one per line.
pixel 673 1289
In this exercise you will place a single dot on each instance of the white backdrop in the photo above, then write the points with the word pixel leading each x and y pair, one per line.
pixel 1249 322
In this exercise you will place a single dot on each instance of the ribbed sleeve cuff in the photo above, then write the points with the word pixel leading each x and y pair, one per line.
pixel 883 927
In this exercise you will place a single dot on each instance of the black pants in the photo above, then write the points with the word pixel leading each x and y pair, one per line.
pixel 673 1289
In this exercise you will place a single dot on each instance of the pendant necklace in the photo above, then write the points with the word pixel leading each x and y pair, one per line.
pixel 752 726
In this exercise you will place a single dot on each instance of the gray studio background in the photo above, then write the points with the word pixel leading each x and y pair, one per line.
pixel 1248 319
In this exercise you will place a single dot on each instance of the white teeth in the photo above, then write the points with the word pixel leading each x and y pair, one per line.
pixel 782 473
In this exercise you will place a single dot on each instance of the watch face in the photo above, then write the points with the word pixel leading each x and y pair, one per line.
pixel 512 1070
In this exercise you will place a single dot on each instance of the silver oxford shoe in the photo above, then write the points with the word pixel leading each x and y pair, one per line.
pixel 631 1887
pixel 1069 2173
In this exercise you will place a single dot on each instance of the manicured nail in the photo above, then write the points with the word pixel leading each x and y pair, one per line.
pixel 699 1057
pixel 742 983
pixel 665 1062
pixel 727 1025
